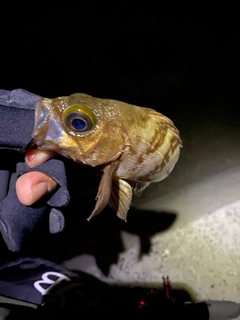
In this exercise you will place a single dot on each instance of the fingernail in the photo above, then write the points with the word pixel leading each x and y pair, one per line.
pixel 35 157
pixel 41 189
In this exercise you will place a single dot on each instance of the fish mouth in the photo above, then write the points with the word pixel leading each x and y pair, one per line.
pixel 40 116
pixel 47 130
pixel 41 113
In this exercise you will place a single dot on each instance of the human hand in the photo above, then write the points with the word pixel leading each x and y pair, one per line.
pixel 33 185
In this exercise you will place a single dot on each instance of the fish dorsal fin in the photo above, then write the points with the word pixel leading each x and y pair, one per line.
pixel 121 197
pixel 104 189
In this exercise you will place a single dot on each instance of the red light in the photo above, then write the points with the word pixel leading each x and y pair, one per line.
pixel 167 287
pixel 142 304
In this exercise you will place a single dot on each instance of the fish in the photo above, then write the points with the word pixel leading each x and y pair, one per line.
pixel 129 146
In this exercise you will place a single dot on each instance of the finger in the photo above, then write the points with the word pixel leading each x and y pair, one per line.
pixel 31 186
pixel 35 157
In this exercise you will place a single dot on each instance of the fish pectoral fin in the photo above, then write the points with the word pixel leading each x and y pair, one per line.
pixel 121 197
pixel 104 189
pixel 139 187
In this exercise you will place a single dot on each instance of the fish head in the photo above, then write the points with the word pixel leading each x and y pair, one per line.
pixel 77 127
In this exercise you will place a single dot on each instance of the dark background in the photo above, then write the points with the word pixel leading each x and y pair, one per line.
pixel 183 65
pixel 139 55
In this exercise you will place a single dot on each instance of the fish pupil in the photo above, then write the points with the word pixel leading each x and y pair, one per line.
pixel 78 124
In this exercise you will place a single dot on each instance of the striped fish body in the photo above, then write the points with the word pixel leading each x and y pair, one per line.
pixel 130 146
pixel 152 145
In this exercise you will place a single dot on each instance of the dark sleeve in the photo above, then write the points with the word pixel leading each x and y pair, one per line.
pixel 17 222
pixel 17 118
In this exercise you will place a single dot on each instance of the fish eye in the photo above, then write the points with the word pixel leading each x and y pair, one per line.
pixel 79 118
pixel 78 124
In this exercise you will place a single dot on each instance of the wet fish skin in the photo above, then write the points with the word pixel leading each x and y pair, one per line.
pixel 129 146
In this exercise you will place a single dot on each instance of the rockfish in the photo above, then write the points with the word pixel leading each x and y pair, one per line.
pixel 129 146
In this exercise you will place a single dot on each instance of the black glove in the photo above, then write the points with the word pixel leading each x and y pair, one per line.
pixel 17 221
